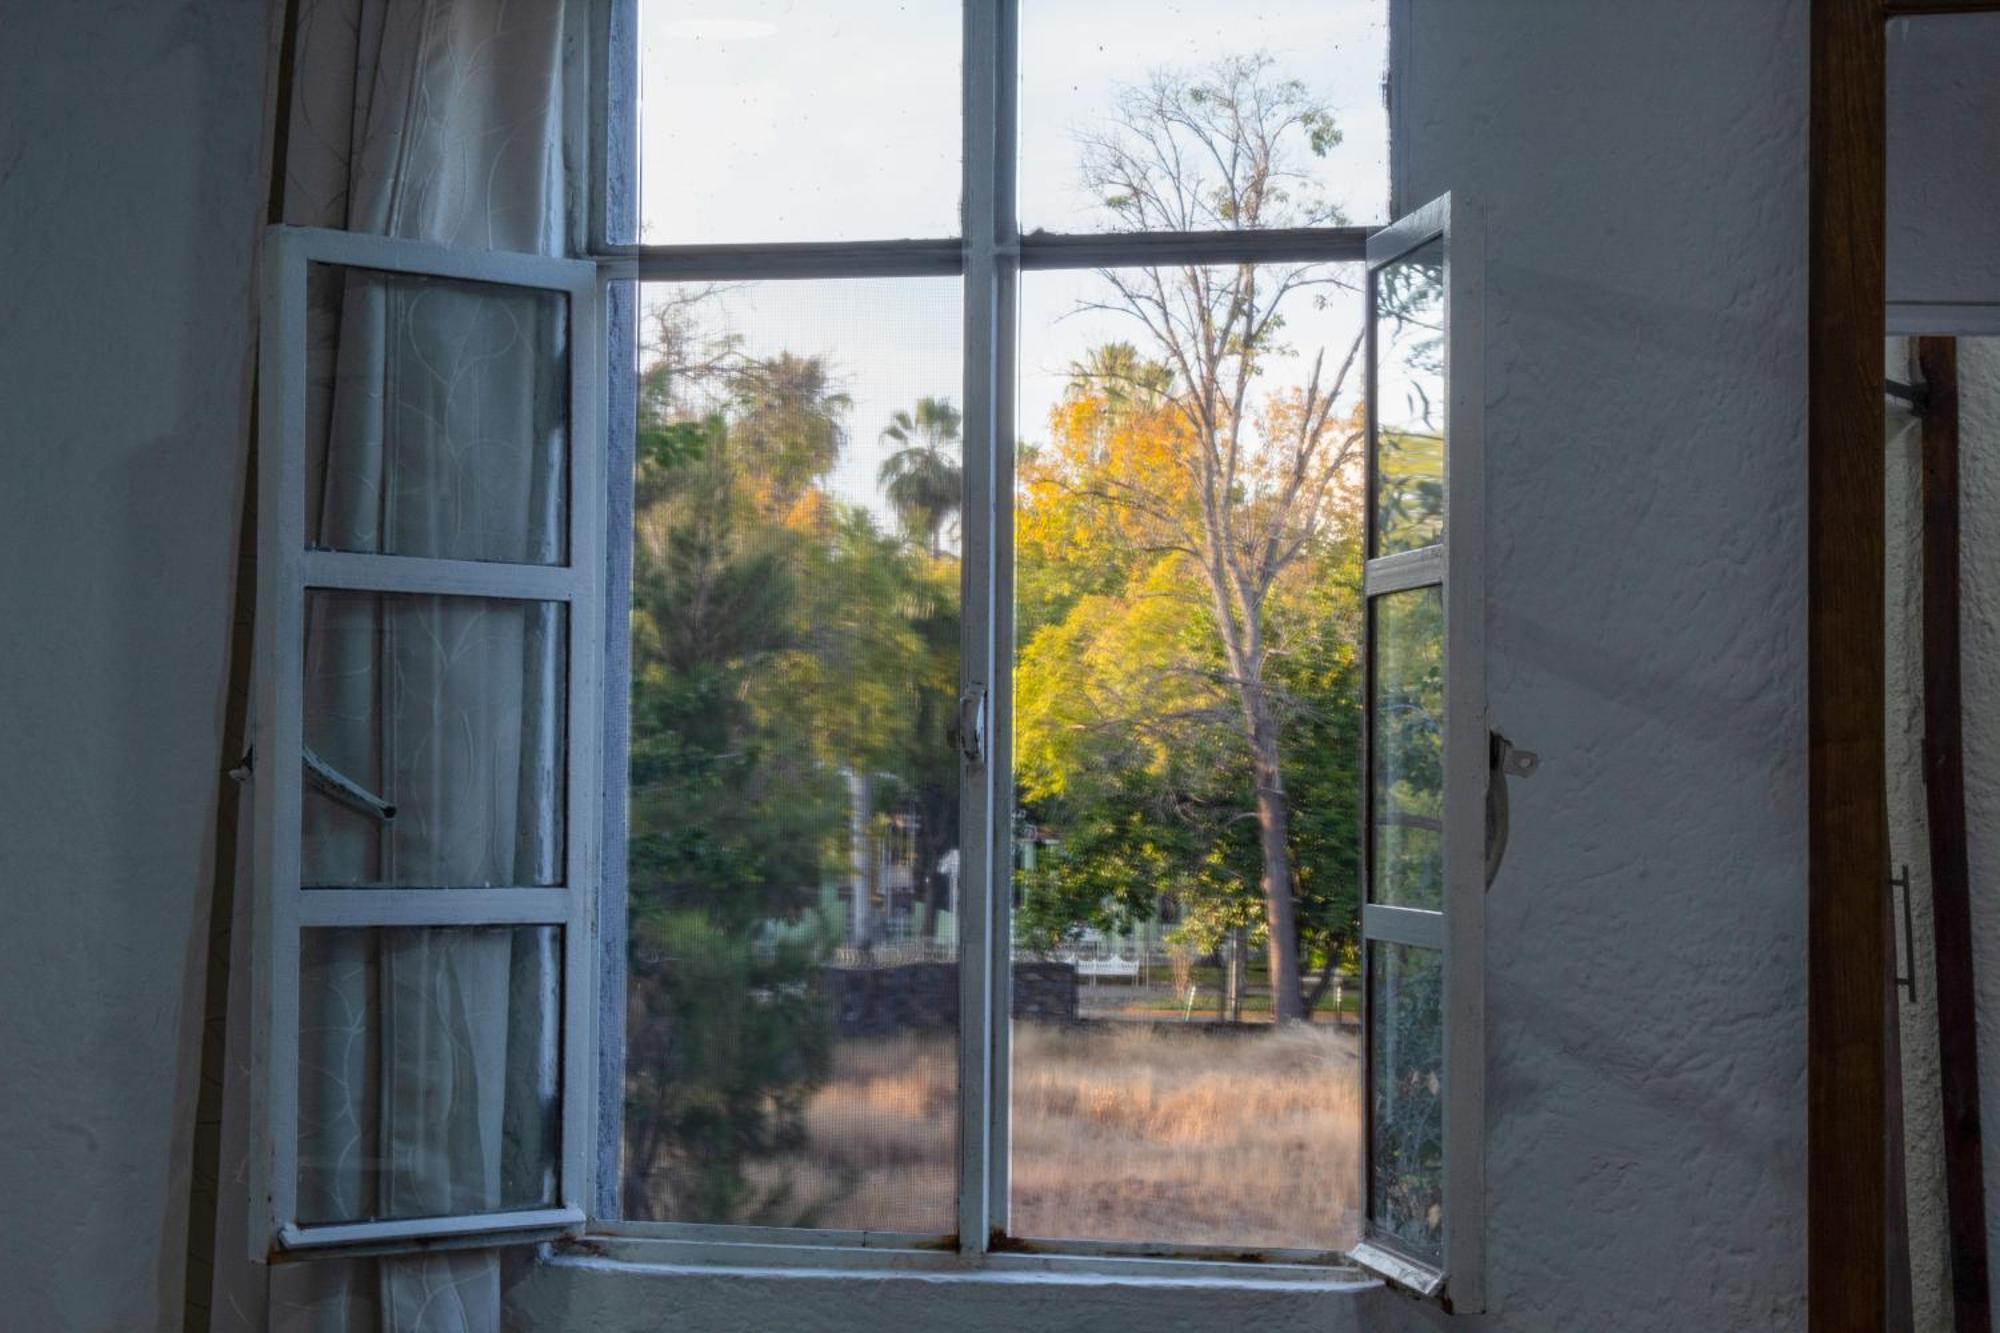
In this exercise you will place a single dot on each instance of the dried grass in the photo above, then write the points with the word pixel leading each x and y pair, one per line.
pixel 1120 1132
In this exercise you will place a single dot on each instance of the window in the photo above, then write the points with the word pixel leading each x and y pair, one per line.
pixel 425 757
pixel 1042 789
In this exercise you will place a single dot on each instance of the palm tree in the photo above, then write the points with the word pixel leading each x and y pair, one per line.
pixel 922 480
pixel 1115 374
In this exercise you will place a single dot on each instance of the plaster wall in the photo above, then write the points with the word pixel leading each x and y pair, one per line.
pixel 1979 629
pixel 1909 855
pixel 1642 170
pixel 129 164
pixel 1944 172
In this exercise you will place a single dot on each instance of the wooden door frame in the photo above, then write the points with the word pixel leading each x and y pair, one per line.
pixel 1848 934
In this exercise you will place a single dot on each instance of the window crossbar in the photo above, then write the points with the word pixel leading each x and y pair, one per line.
pixel 1035 252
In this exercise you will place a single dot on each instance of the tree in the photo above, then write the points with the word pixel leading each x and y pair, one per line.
pixel 1127 731
pixel 781 641
pixel 1247 476
pixel 923 480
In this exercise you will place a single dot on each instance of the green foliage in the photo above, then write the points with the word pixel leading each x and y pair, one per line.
pixel 1129 747
pixel 779 641
pixel 1407 1096
pixel 728 1042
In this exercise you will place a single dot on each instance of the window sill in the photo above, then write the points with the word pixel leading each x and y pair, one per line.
pixel 632 1283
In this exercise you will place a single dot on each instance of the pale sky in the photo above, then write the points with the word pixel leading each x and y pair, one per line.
pixel 783 120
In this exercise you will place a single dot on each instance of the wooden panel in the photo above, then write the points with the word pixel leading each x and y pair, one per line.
pixel 1848 946
pixel 1951 884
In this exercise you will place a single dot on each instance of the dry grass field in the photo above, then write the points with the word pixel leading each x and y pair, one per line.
pixel 1121 1132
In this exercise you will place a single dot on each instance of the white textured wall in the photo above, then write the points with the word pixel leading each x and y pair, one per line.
pixel 1979 628
pixel 1944 166
pixel 1909 850
pixel 129 145
pixel 1642 167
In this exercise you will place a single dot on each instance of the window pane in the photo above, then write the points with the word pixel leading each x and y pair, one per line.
pixel 1113 91
pixel 1410 401
pixel 436 417
pixel 791 1053
pixel 429 1062
pixel 435 741
pixel 1406 1155
pixel 1167 772
pixel 787 120
pixel 1407 796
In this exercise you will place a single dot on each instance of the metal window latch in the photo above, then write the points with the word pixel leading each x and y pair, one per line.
pixel 1504 762
pixel 968 733
pixel 344 789
pixel 1906 975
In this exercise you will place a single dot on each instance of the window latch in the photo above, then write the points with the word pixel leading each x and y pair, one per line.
pixel 968 733
pixel 346 790
pixel 1504 762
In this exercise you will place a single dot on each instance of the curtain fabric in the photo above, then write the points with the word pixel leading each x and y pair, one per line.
pixel 428 1057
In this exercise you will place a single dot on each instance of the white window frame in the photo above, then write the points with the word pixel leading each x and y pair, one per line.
pixel 1456 564
pixel 990 256
pixel 286 571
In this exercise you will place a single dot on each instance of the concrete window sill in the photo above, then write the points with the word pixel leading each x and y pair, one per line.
pixel 616 1285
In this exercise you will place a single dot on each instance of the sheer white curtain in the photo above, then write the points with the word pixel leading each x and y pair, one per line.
pixel 428 1056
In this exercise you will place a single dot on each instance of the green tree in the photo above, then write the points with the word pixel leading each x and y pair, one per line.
pixel 1246 476
pixel 781 642
pixel 923 480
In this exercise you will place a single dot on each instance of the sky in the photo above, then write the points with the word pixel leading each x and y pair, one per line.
pixel 785 120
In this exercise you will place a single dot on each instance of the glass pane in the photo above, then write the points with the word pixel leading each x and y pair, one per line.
pixel 1407 792
pixel 1410 401
pixel 435 741
pixel 437 417
pixel 791 1047
pixel 1127 105
pixel 1406 1111
pixel 1155 1099
pixel 429 1062
pixel 788 120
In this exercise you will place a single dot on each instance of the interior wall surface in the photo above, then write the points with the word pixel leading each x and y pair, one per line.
pixel 1909 855
pixel 1641 168
pixel 1979 643
pixel 130 149
pixel 1944 174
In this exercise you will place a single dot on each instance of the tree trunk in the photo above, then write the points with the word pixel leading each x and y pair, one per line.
pixel 1280 911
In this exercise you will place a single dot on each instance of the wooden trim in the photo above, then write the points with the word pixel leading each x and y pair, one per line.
pixel 1951 885
pixel 1847 820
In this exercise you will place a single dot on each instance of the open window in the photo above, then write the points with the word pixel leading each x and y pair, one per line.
pixel 425 773
pixel 1427 758
pixel 867 902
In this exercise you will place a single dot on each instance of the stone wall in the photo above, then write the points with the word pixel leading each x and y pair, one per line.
pixel 907 997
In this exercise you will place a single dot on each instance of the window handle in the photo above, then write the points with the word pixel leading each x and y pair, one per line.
pixel 345 789
pixel 969 732
pixel 1504 761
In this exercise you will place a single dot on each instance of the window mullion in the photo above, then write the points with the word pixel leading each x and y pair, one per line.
pixel 989 264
